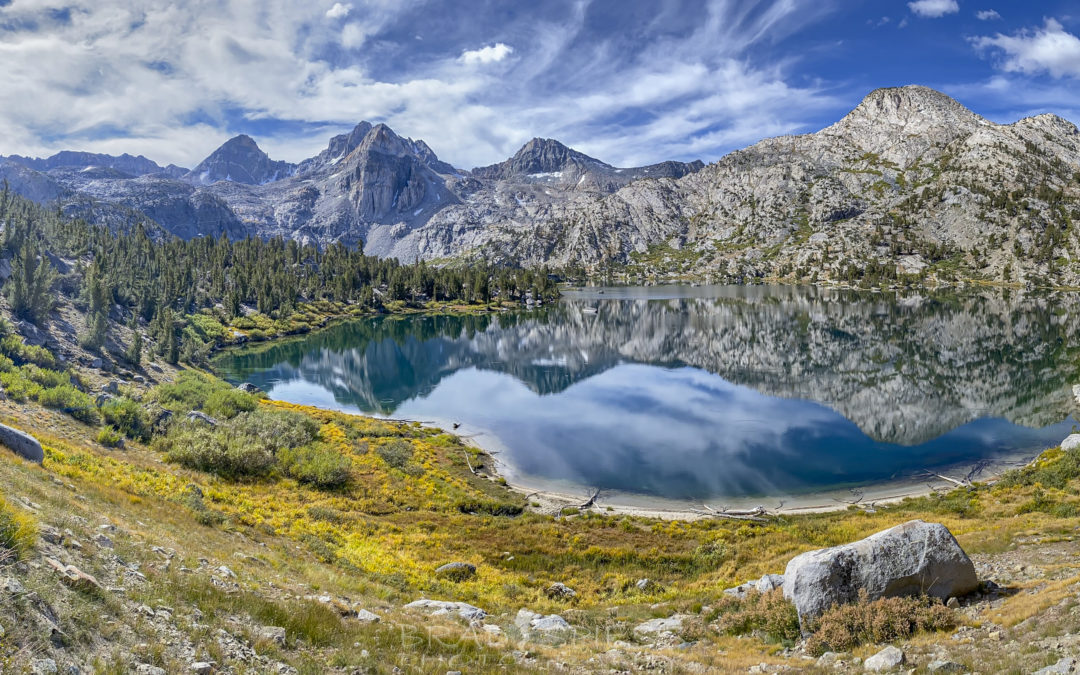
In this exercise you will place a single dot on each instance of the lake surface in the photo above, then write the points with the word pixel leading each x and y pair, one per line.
pixel 696 393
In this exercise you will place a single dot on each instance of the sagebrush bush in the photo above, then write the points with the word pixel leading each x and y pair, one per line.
pixel 71 401
pixel 18 531
pixel 12 346
pixel 110 437
pixel 216 450
pixel 228 403
pixel 318 464
pixel 768 614
pixel 1053 470
pixel 845 627
pixel 398 454
pixel 246 445
pixel 128 417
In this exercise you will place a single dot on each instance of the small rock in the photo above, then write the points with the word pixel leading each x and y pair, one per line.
pixel 1062 667
pixel 492 629
pixel 147 669
pixel 74 577
pixel 441 608
pixel 139 379
pixel 113 387
pixel 249 388
pixel 202 667
pixel 199 416
pixel 672 624
pixel 943 666
pixel 456 571
pixel 885 660
pixel 43 667
pixel 226 572
pixel 996 635
pixel 830 659
pixel 645 585
pixel 14 586
pixel 364 616
pixel 103 541
pixel 953 603
pixel 274 634
pixel 51 535
pixel 560 591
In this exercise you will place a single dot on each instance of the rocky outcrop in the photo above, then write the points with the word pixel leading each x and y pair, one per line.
pixel 22 444
pixel 910 559
pixel 443 608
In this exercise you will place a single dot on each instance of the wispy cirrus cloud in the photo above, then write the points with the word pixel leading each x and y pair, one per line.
pixel 628 81
pixel 987 15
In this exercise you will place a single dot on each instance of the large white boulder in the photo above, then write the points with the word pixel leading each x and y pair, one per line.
pixel 21 443
pixel 910 559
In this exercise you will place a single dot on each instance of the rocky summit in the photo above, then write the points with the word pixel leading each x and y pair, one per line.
pixel 910 182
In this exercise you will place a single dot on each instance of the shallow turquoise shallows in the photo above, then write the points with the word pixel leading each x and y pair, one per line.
pixel 698 393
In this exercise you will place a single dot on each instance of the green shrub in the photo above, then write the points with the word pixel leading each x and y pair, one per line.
pixel 18 387
pixel 13 347
pixel 491 508
pixel 845 627
pixel 216 450
pixel 128 418
pixel 398 455
pixel 18 531
pixel 246 445
pixel 767 614
pixel 71 401
pixel 317 464
pixel 188 392
pixel 110 437
pixel 207 327
pixel 228 403
pixel 1053 471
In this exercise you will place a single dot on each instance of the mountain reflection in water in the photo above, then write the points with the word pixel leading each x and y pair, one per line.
pixel 694 393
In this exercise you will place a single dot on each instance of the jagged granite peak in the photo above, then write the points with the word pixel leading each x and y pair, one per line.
pixel 69 159
pixel 339 148
pixel 538 156
pixel 240 160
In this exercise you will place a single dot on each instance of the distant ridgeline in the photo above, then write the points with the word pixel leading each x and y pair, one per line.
pixel 191 292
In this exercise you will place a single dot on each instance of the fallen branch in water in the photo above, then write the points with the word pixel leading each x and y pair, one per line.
pixel 954 481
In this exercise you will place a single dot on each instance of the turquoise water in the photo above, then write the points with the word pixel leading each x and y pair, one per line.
pixel 707 392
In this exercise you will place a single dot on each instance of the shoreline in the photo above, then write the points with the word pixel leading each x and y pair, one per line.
pixel 553 496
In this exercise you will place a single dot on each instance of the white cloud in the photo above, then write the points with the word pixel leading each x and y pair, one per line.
pixel 987 15
pixel 933 9
pixel 1050 49
pixel 338 11
pixel 173 80
pixel 490 54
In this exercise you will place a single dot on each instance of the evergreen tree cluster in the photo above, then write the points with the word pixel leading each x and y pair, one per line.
pixel 164 280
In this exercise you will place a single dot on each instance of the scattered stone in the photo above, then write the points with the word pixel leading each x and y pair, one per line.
pixel 202 667
pixel 74 577
pixel 274 634
pixel 443 608
pixel 139 379
pixel 364 616
pixel 456 571
pixel 113 387
pixel 14 586
pixel 22 444
pixel 560 591
pixel 43 667
pixel 909 559
pixel 249 388
pixel 830 659
pixel 103 541
pixel 652 627
pixel 953 603
pixel 885 660
pixel 102 399
pixel 200 416
pixel 96 363
pixel 1063 667
pixel 645 585
pixel 943 666
pixel 226 572
pixel 532 624
pixel 765 584
pixel 50 535
pixel 32 335
pixel 147 669
pixel 492 629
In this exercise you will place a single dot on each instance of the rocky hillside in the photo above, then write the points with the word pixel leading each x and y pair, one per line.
pixel 909 182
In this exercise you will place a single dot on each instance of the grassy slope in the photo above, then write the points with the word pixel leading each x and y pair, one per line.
pixel 378 541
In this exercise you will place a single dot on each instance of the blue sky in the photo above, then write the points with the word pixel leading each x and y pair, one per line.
pixel 627 81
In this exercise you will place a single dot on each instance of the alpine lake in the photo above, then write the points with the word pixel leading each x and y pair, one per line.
pixel 679 395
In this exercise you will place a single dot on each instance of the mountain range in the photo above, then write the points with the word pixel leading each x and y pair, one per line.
pixel 908 181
